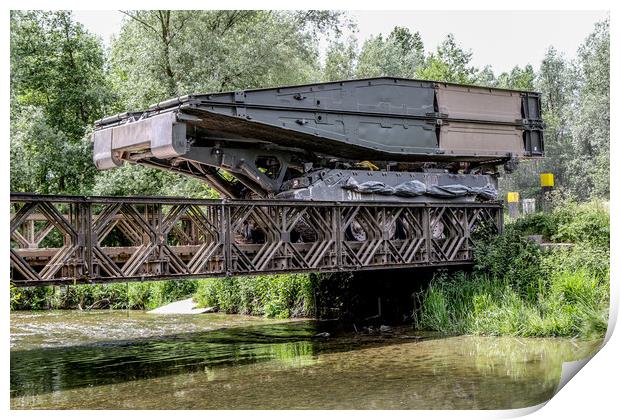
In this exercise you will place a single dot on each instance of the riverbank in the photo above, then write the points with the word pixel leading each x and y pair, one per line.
pixel 519 289
pixel 516 288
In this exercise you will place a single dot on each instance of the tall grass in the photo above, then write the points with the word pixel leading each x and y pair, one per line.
pixel 518 289
pixel 280 296
pixel 147 295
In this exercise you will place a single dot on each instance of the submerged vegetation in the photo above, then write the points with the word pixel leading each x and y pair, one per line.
pixel 516 288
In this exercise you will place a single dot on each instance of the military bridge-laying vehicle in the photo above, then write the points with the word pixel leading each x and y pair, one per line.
pixel 382 139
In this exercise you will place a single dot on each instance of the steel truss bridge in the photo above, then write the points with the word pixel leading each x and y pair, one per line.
pixel 72 240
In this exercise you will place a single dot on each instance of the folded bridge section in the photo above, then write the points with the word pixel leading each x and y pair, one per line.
pixel 69 240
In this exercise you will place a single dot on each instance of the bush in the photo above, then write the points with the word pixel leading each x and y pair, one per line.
pixel 511 258
pixel 585 223
pixel 30 297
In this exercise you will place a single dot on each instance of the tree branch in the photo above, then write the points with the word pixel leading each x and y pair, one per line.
pixel 139 20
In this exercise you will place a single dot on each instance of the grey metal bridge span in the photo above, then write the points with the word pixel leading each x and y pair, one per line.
pixel 72 240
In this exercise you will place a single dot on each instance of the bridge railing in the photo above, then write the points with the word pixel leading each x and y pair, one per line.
pixel 68 239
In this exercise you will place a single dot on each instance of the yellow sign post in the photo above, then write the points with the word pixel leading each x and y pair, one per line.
pixel 546 184
pixel 513 197
pixel 513 204
pixel 546 180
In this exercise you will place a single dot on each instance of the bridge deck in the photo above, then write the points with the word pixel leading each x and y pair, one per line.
pixel 67 239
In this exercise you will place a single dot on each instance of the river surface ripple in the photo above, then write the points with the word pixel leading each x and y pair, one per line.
pixel 136 360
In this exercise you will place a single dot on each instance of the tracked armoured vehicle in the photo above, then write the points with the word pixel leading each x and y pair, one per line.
pixel 381 139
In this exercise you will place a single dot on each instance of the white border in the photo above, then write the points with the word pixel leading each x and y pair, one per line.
pixel 592 393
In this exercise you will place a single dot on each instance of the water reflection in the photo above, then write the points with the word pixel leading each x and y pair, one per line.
pixel 70 360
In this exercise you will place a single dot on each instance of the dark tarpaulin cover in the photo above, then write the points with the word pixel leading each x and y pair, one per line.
pixel 416 188
pixel 369 187
pixel 410 189
pixel 457 190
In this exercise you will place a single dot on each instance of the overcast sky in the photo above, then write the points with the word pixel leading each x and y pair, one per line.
pixel 501 39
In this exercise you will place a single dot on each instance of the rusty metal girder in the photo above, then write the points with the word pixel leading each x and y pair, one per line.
pixel 68 239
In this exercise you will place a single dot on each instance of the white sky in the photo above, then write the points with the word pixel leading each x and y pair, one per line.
pixel 501 39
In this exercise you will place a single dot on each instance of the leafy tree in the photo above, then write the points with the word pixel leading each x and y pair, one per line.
pixel 486 77
pixel 591 121
pixel 43 160
pixel 340 60
pixel 555 80
pixel 575 105
pixel 58 66
pixel 161 54
pixel 139 180
pixel 57 90
pixel 398 55
pixel 518 78
pixel 449 63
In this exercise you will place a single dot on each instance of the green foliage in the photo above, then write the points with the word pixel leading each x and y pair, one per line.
pixel 518 78
pixel 141 180
pixel 160 54
pixel 510 257
pixel 570 222
pixel 58 66
pixel 583 223
pixel 516 289
pixel 279 296
pixel 450 63
pixel 435 315
pixel 31 297
pixel 145 295
pixel 591 119
pixel 575 97
pixel 43 160
pixel 57 90
pixel 61 81
pixel 165 292
pixel 399 55
pixel 340 60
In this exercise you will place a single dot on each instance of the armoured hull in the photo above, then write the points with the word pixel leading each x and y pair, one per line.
pixel 348 185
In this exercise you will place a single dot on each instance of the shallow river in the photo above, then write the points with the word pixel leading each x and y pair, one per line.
pixel 131 359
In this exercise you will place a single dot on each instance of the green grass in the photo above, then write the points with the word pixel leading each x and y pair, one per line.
pixel 280 296
pixel 147 295
pixel 518 289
